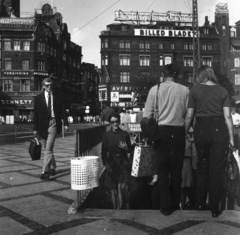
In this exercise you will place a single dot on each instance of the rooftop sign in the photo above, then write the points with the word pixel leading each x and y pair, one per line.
pixel 16 21
pixel 221 8
pixel 163 33
pixel 146 17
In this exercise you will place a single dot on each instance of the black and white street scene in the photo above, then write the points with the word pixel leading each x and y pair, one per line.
pixel 119 117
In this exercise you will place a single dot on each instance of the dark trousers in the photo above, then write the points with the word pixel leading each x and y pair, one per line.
pixel 211 139
pixel 171 148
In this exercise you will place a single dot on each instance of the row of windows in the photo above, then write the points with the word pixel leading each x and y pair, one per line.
pixel 125 45
pixel 144 60
pixel 25 65
pixel 7 85
pixel 125 77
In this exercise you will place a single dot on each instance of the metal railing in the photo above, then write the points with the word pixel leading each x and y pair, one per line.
pixel 87 142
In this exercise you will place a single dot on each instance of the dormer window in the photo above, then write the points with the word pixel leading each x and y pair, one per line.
pixel 205 31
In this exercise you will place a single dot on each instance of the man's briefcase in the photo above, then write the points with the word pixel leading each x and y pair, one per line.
pixel 35 148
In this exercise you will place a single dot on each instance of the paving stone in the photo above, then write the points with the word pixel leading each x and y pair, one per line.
pixel 31 203
pixel 9 226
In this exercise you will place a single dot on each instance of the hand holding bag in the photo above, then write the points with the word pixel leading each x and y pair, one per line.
pixel 149 126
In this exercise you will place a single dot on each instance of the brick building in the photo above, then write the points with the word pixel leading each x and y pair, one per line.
pixel 147 42
pixel 31 49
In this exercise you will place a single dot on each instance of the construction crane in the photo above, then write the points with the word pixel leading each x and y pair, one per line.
pixel 196 44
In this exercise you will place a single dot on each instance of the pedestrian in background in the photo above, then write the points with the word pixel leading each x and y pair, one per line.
pixel 236 125
pixel 172 109
pixel 106 114
pixel 213 132
pixel 48 115
pixel 116 151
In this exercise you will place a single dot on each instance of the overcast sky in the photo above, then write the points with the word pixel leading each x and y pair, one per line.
pixel 99 13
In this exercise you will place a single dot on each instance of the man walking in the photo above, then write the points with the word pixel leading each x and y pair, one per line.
pixel 48 115
pixel 172 106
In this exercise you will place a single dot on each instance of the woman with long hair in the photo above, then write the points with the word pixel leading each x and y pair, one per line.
pixel 213 132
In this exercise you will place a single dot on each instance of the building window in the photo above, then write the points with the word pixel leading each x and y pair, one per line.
pixel 160 45
pixel 188 61
pixel 233 32
pixel 38 84
pixel 64 57
pixel 26 45
pixel 8 65
pixel 161 60
pixel 25 65
pixel 7 45
pixel 190 46
pixel 25 85
pixel 205 31
pixel 105 43
pixel 124 27
pixel 188 78
pixel 16 45
pixel 237 79
pixel 204 47
pixel 236 62
pixel 185 46
pixel 209 47
pixel 124 45
pixel 207 61
pixel 124 60
pixel 224 30
pixel 105 60
pixel 144 46
pixel 41 46
pixel 124 77
pixel 172 46
pixel 55 53
pixel 7 84
pixel 144 60
pixel 41 65
pixel 167 60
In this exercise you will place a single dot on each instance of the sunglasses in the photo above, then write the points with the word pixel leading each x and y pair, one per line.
pixel 48 86
pixel 112 122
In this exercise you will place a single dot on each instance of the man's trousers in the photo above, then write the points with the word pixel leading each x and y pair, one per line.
pixel 49 160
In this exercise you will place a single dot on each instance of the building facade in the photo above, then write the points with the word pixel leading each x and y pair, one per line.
pixel 32 49
pixel 142 46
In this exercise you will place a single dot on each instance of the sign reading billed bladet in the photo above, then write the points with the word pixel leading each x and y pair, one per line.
pixel 164 33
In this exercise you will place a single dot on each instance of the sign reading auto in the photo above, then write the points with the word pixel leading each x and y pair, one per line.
pixel 163 33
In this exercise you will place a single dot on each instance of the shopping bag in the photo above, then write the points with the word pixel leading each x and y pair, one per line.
pixel 144 161
pixel 35 149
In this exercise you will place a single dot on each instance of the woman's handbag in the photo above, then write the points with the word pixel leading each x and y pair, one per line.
pixel 149 126
pixel 144 161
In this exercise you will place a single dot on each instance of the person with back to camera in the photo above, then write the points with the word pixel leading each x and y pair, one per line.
pixel 116 151
pixel 106 114
pixel 213 132
pixel 172 109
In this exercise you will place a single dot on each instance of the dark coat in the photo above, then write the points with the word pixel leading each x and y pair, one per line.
pixel 41 118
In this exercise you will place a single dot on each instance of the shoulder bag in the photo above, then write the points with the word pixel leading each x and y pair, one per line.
pixel 149 126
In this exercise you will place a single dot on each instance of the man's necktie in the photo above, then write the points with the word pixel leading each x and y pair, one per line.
pixel 49 105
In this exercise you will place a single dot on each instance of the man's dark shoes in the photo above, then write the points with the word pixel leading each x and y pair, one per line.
pixel 53 172
pixel 216 213
pixel 166 212
pixel 45 176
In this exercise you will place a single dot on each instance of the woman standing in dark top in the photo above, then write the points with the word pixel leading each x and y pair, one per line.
pixel 116 150
pixel 213 132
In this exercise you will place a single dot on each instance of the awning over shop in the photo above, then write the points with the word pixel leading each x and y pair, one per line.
pixel 236 43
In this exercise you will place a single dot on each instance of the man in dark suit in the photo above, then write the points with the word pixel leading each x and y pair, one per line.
pixel 48 115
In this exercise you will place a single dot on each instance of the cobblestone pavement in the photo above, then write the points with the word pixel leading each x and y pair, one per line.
pixel 29 205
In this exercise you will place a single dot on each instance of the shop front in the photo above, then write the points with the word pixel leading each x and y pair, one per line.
pixel 16 109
